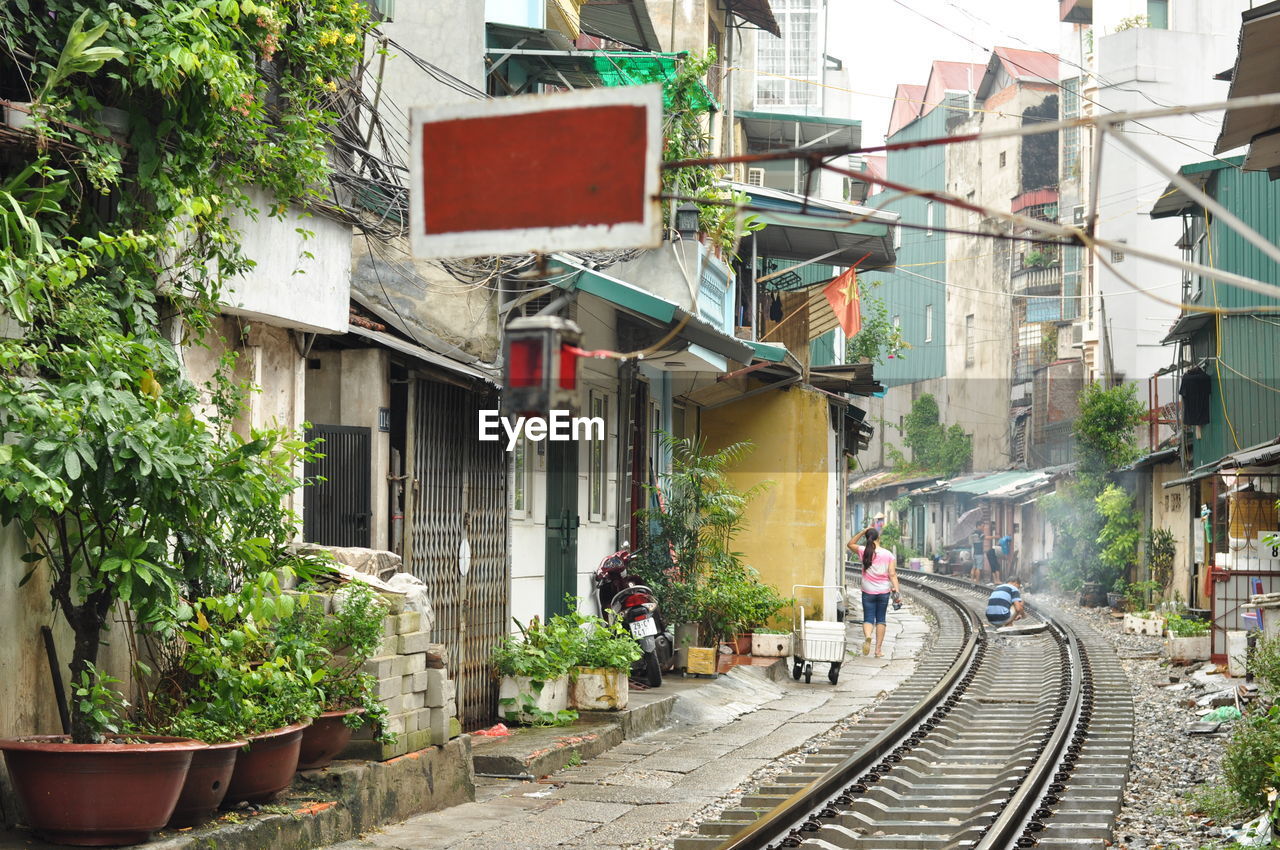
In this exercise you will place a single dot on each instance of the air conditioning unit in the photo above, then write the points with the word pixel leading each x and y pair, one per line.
pixel 755 176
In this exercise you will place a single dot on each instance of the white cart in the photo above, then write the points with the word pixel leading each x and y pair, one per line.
pixel 817 640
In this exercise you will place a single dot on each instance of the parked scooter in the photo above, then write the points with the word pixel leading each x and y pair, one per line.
pixel 621 598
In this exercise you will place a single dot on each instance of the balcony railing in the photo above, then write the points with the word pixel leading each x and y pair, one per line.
pixel 1038 280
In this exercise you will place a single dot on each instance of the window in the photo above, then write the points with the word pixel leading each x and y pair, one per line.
pixel 970 343
pixel 928 323
pixel 928 218
pixel 1070 135
pixel 598 458
pixel 521 464
pixel 1158 14
pixel 789 67
pixel 897 324
pixel 714 73
pixel 1002 159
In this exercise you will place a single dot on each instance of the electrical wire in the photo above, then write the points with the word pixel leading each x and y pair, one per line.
pixel 1079 94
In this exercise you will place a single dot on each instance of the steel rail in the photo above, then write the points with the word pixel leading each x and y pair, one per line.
pixel 1025 803
pixel 801 806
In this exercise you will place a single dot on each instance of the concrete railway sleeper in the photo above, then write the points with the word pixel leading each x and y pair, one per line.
pixel 994 742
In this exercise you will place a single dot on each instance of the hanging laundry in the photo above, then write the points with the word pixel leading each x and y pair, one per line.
pixel 1195 389
pixel 775 309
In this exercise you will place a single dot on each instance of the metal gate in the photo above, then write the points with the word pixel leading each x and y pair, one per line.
pixel 336 511
pixel 458 493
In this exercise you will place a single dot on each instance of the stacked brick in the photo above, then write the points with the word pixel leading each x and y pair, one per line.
pixel 414 685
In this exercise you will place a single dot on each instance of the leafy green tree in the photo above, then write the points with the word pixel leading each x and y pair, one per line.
pixel 129 481
pixel 1105 441
pixel 688 556
pixel 1120 531
pixel 879 338
pixel 935 448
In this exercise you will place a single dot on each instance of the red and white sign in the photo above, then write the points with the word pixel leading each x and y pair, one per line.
pixel 576 171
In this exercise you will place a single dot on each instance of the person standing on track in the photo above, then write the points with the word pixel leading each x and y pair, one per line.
pixel 879 582
pixel 1004 606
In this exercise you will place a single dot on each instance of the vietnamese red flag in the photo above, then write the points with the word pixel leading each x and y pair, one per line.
pixel 842 295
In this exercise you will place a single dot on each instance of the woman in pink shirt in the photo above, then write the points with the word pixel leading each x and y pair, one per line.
pixel 879 580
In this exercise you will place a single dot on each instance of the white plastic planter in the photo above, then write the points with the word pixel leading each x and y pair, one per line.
pixel 549 696
pixel 1135 624
pixel 1187 648
pixel 598 689
pixel 770 646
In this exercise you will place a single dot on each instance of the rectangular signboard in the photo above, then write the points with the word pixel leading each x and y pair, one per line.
pixel 574 171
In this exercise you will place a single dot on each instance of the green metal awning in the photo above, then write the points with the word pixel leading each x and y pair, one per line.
pixel 802 230
pixel 771 131
pixel 770 352
pixel 1173 201
pixel 998 481
pixel 659 311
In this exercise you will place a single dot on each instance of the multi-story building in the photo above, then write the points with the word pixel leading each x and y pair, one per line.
pixel 915 291
pixel 1004 297
pixel 1120 55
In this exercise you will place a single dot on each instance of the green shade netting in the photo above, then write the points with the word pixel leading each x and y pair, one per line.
pixel 637 69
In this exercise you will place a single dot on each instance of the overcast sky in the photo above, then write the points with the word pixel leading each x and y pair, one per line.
pixel 883 43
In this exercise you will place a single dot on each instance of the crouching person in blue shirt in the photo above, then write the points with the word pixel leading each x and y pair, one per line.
pixel 1004 606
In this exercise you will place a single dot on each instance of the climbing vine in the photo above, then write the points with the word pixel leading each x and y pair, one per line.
pixel 148 122
pixel 687 103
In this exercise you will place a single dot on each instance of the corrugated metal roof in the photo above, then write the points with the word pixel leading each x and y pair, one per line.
pixel 991 484
pixel 1029 65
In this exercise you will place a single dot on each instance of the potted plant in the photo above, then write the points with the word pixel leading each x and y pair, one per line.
pixel 338 643
pixel 599 679
pixel 1188 639
pixel 1141 620
pixel 534 670
pixel 245 678
pixel 1115 598
pixel 124 495
pixel 117 789
pixel 771 643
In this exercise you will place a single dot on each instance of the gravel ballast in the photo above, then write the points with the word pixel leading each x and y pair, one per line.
pixel 1168 764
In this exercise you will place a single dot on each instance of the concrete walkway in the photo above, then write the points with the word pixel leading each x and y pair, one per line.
pixel 642 792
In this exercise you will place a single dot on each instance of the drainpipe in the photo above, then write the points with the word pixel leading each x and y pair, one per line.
pixel 728 82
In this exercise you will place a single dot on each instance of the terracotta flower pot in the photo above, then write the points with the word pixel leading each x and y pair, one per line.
pixel 97 794
pixel 206 784
pixel 327 736
pixel 266 766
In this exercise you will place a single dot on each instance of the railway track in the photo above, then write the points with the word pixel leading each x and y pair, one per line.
pixel 995 741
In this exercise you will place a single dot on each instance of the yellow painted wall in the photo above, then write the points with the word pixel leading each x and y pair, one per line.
pixel 787 524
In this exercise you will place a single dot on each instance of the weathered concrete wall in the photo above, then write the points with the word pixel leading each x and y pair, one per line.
pixel 980 324
pixel 365 389
pixel 887 415
pixel 267 359
pixel 299 280
pixel 438 310
pixel 1170 509
pixel 1141 66
pixel 27 702
pixel 788 430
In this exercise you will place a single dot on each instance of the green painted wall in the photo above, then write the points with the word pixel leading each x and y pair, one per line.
pixel 1245 406
pixel 906 293
pixel 1246 386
